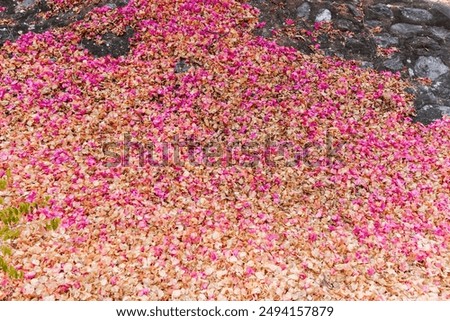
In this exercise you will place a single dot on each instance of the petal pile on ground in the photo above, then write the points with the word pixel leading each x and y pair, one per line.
pixel 208 164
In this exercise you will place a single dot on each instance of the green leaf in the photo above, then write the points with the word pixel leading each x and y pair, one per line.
pixel 24 208
pixel 46 200
pixel 11 234
pixel 3 184
pixel 3 265
pixel 53 224
pixel 5 234
pixel 13 273
pixel 6 250
pixel 10 218
pixel 3 231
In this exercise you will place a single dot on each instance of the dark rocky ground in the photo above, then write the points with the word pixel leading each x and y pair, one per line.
pixel 411 37
pixel 22 16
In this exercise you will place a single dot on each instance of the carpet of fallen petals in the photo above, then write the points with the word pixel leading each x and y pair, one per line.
pixel 362 214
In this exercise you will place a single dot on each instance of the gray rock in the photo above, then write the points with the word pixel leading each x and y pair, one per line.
pixel 266 32
pixel 303 11
pixel 415 15
pixel 360 46
pixel 441 85
pixel 385 40
pixel 410 90
pixel 440 32
pixel 405 29
pixel 431 67
pixel 427 115
pixel 323 16
pixel 354 10
pixel 111 5
pixel 423 46
pixel 425 96
pixel 181 66
pixel 394 64
pixel 121 3
pixel 28 3
pixel 379 11
pixel 6 33
pixel 25 5
pixel 345 25
pixel 445 110
pixel 443 8
pixel 366 64
pixel 373 23
pixel 114 45
pixel 426 107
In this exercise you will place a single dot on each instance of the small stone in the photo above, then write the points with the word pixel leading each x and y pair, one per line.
pixel 385 40
pixel 379 11
pixel 113 45
pixel 430 67
pixel 181 66
pixel 303 11
pixel 405 29
pixel 415 15
pixel 394 64
pixel 345 25
pixel 324 16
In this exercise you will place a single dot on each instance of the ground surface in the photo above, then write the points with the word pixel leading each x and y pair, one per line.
pixel 189 159
pixel 410 37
